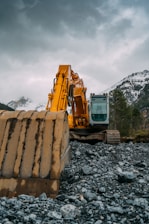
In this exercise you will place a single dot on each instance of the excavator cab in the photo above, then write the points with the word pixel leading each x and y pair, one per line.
pixel 99 110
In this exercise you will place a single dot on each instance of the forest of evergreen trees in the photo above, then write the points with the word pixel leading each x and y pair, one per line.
pixel 128 119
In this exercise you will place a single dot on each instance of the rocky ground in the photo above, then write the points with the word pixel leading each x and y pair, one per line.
pixel 102 184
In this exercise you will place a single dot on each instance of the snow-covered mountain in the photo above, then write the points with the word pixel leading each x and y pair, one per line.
pixel 132 86
pixel 26 104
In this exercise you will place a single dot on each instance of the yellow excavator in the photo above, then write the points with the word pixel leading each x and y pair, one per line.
pixel 34 146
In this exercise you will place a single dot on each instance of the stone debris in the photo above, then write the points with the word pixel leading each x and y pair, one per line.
pixel 103 184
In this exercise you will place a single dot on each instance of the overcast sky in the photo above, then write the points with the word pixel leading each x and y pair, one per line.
pixel 103 41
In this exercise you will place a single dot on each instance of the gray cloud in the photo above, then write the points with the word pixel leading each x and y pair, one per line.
pixel 76 15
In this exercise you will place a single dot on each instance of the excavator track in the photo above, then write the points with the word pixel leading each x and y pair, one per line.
pixel 112 137
pixel 34 149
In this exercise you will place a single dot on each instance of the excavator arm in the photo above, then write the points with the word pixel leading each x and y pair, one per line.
pixel 58 98
pixel 68 90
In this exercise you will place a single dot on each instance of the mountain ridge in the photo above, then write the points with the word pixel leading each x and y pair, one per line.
pixel 25 103
pixel 132 85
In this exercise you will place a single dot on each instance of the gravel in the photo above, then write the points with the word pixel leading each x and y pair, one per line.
pixel 102 184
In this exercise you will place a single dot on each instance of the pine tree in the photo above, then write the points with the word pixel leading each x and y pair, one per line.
pixel 120 113
pixel 136 120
